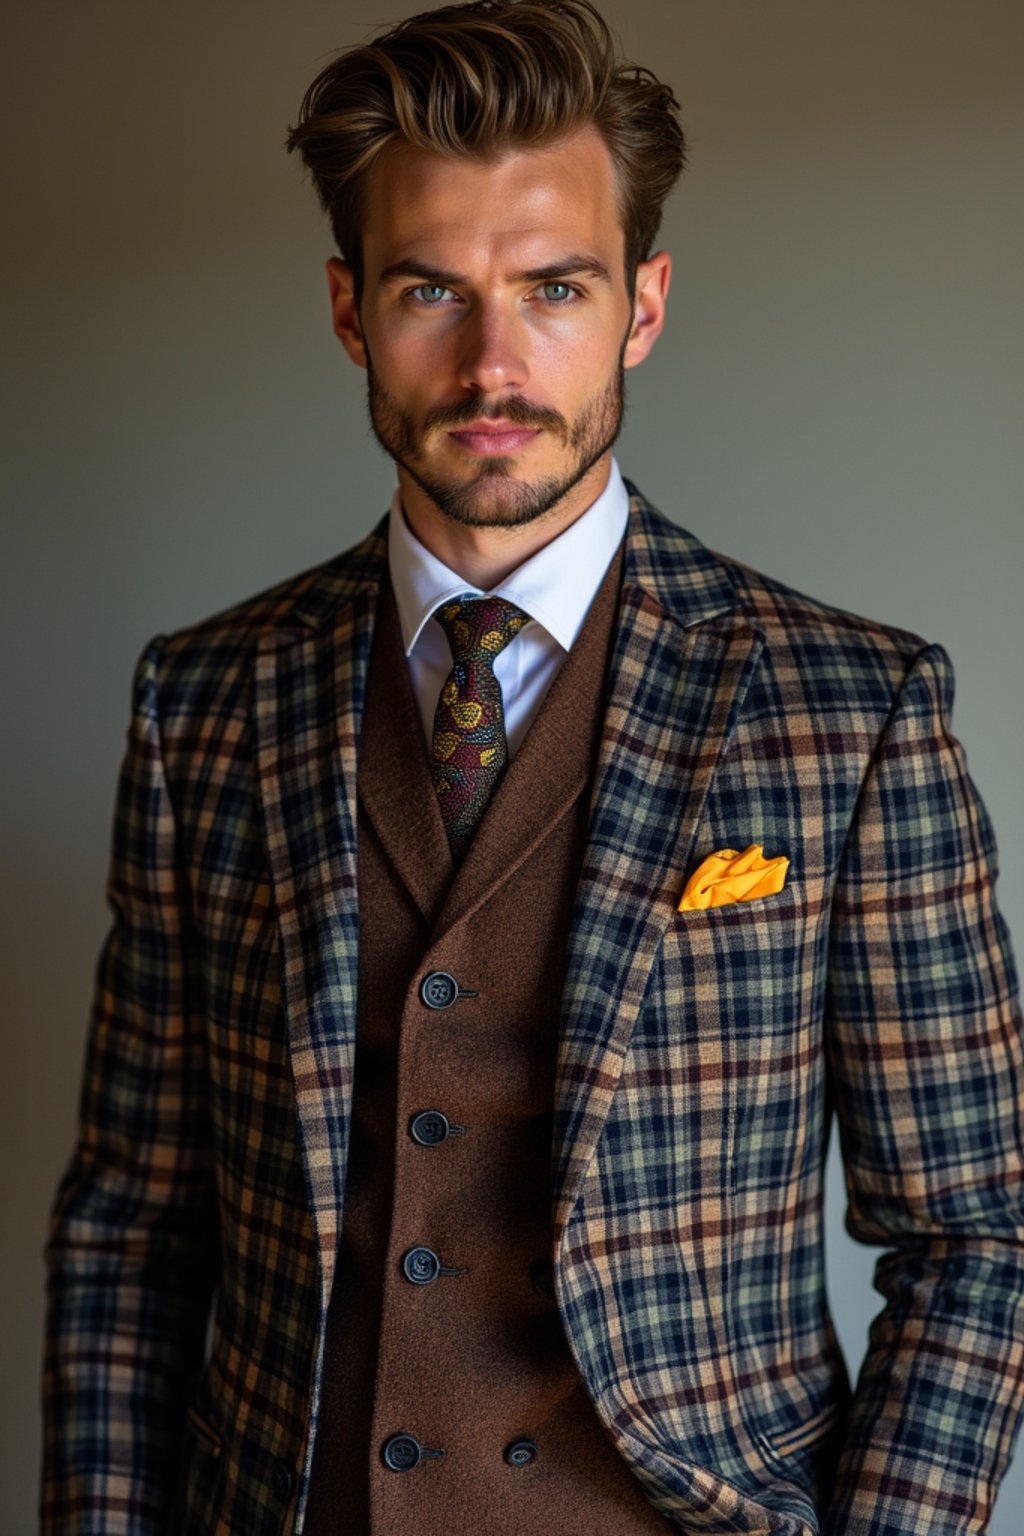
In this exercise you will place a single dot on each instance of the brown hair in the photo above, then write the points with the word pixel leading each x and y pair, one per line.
pixel 480 79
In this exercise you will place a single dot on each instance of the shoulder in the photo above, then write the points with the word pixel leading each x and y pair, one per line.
pixel 198 659
pixel 788 614
pixel 852 665
pixel 814 653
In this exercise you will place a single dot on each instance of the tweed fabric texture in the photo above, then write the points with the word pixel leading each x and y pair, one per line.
pixel 470 1362
pixel 702 1059
pixel 469 747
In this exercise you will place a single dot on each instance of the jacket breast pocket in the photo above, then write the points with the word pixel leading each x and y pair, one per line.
pixel 771 908
pixel 747 966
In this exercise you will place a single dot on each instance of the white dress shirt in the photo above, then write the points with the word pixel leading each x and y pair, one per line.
pixel 555 586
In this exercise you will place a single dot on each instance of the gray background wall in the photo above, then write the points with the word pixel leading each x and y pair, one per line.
pixel 836 400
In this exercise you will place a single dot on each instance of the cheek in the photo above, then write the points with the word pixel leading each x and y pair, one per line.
pixel 407 368
pixel 572 366
pixel 400 351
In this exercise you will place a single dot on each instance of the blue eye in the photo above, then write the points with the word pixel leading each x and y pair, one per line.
pixel 567 295
pixel 433 287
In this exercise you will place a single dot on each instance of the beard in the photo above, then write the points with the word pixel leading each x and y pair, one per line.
pixel 493 498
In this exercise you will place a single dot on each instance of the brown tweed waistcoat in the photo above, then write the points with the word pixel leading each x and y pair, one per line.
pixel 472 1361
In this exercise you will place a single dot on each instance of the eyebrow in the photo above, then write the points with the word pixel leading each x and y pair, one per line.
pixel 566 266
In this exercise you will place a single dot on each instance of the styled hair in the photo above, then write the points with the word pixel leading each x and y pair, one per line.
pixel 477 81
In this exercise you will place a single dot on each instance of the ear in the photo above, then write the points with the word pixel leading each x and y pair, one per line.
pixel 341 286
pixel 652 283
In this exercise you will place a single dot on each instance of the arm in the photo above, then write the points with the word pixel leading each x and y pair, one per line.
pixel 926 1049
pixel 132 1240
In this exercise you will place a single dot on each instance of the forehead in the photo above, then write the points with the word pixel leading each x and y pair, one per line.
pixel 419 203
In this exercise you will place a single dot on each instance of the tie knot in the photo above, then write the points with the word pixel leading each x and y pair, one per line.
pixel 478 628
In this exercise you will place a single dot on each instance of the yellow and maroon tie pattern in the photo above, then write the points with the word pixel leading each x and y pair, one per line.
pixel 469 748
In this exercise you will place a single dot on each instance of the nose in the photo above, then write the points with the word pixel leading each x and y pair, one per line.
pixel 492 356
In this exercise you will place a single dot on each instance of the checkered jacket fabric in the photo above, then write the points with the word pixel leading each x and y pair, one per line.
pixel 702 1057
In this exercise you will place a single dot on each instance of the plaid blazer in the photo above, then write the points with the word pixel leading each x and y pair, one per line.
pixel 702 1054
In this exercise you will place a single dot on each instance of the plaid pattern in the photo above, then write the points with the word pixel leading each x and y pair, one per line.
pixel 702 1056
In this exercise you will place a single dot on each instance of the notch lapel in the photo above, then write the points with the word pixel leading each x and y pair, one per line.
pixel 308 690
pixel 683 656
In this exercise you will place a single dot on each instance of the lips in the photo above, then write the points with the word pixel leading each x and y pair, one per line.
pixel 494 439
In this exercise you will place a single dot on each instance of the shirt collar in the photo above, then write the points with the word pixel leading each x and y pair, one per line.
pixel 555 586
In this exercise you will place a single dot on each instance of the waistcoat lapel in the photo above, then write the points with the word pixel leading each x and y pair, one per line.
pixel 682 659
pixel 395 786
pixel 548 772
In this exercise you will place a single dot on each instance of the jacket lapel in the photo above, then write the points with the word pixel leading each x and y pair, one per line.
pixel 308 689
pixel 682 658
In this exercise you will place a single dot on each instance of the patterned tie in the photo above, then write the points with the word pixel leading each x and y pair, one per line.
pixel 469 748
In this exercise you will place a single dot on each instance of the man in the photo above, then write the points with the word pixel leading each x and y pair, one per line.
pixel 502 910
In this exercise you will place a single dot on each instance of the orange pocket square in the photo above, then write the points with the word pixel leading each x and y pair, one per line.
pixel 730 876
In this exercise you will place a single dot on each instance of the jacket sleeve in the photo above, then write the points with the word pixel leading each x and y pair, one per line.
pixel 926 1054
pixel 132 1242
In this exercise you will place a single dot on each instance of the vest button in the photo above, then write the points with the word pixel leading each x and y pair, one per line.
pixel 542 1276
pixel 421 1265
pixel 439 989
pixel 520 1452
pixel 401 1452
pixel 281 1480
pixel 429 1127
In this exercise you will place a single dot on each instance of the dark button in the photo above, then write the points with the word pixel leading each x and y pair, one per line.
pixel 281 1480
pixel 439 990
pixel 429 1127
pixel 542 1276
pixel 402 1452
pixel 421 1265
pixel 520 1452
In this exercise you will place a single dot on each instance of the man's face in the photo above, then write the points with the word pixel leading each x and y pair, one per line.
pixel 495 293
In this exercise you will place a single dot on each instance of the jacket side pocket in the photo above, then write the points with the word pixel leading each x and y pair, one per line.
pixel 795 1442
pixel 206 1433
